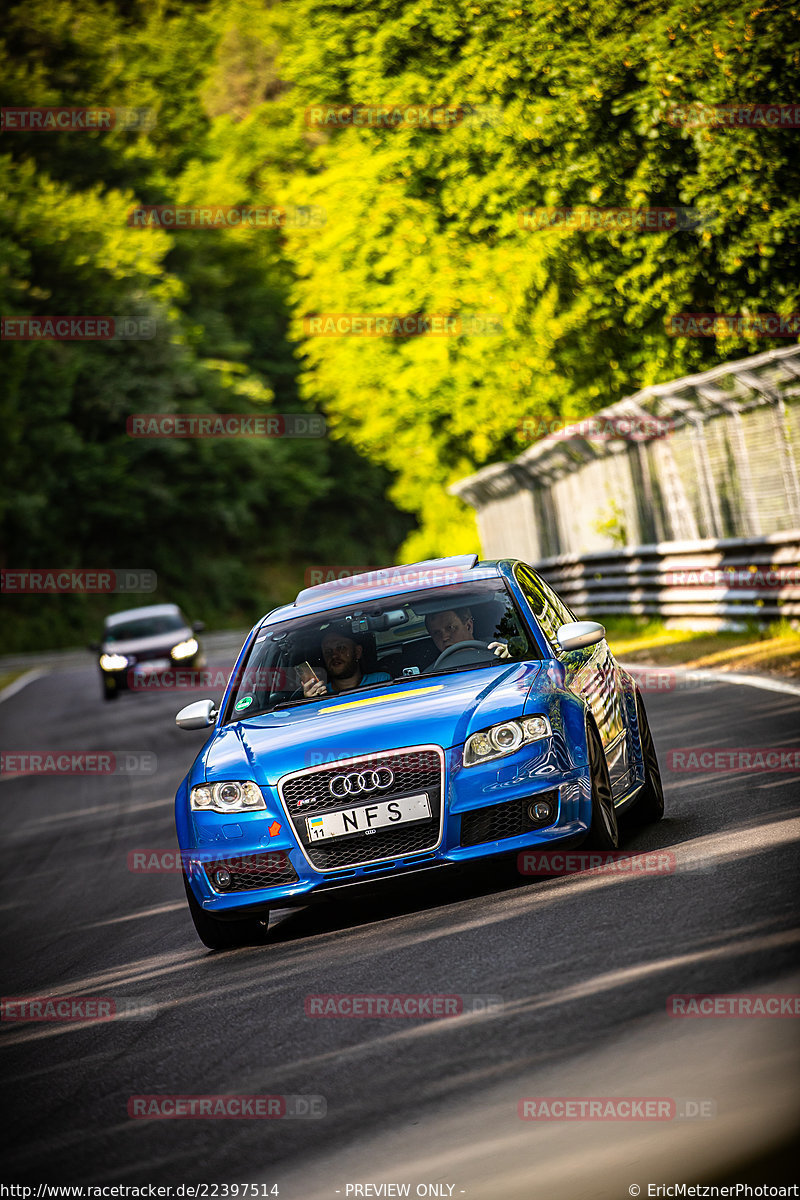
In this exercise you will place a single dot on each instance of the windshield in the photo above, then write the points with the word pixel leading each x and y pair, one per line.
pixel 144 627
pixel 381 641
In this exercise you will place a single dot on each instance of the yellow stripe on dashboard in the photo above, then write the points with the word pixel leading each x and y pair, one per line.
pixel 381 699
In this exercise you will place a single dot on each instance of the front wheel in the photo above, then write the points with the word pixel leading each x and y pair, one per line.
pixel 603 832
pixel 224 935
pixel 649 806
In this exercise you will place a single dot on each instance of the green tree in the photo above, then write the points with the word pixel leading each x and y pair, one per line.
pixel 564 105
pixel 227 525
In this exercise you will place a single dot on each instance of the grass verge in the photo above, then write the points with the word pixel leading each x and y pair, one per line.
pixel 772 650
pixel 7 677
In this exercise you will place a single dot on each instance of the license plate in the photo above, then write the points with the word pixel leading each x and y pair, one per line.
pixel 368 816
pixel 150 668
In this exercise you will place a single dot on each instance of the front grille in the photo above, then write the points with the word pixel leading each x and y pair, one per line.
pixel 416 769
pixel 499 821
pixel 252 872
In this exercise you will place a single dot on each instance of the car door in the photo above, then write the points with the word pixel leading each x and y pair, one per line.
pixel 590 673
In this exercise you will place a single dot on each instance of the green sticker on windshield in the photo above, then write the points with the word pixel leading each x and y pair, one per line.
pixel 245 702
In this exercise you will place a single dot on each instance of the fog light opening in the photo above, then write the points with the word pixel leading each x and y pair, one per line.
pixel 541 812
pixel 222 879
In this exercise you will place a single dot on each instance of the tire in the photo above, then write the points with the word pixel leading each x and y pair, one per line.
pixel 224 935
pixel 604 831
pixel 649 805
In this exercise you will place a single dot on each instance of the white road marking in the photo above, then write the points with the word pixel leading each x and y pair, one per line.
pixel 708 676
pixel 20 683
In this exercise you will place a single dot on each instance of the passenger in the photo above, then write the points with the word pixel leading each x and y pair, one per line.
pixel 341 654
pixel 456 625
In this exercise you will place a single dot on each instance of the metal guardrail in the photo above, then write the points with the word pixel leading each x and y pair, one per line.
pixel 707 584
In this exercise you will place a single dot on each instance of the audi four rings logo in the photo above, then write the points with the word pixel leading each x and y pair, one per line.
pixel 361 781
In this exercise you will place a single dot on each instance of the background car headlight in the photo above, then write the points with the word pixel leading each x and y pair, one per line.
pixel 113 662
pixel 185 649
pixel 504 738
pixel 227 797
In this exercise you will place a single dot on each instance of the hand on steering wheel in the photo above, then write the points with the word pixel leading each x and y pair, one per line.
pixel 500 649
pixel 468 644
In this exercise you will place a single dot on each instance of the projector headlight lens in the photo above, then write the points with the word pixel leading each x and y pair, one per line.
pixel 185 649
pixel 113 662
pixel 504 738
pixel 230 796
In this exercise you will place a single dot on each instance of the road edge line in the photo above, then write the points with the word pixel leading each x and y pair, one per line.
pixel 22 682
pixel 708 675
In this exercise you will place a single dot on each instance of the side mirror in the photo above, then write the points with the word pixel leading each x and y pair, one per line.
pixel 94 647
pixel 199 715
pixel 579 634
pixel 198 626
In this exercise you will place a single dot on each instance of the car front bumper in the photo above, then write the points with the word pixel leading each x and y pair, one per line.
pixel 489 800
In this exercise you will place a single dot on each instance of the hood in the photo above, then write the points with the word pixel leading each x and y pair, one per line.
pixel 438 709
pixel 160 643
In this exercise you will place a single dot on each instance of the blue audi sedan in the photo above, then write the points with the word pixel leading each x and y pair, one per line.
pixel 407 720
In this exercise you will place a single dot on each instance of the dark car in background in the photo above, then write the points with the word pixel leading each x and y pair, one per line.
pixel 142 642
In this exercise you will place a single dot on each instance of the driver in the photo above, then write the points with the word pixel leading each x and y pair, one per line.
pixel 455 625
pixel 341 654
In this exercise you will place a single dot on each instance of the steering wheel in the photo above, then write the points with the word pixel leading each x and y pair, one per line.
pixel 469 644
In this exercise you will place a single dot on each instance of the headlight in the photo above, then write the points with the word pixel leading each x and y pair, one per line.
pixel 185 649
pixel 504 739
pixel 113 662
pixel 227 797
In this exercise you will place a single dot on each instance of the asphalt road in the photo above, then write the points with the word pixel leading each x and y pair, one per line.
pixel 580 968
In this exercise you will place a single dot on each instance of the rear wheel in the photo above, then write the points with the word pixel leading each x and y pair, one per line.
pixel 224 935
pixel 649 806
pixel 603 831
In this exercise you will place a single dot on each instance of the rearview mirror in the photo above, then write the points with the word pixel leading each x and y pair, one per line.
pixel 578 634
pixel 199 715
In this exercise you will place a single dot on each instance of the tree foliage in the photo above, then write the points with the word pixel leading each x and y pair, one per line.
pixel 228 525
pixel 565 105
pixel 560 105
